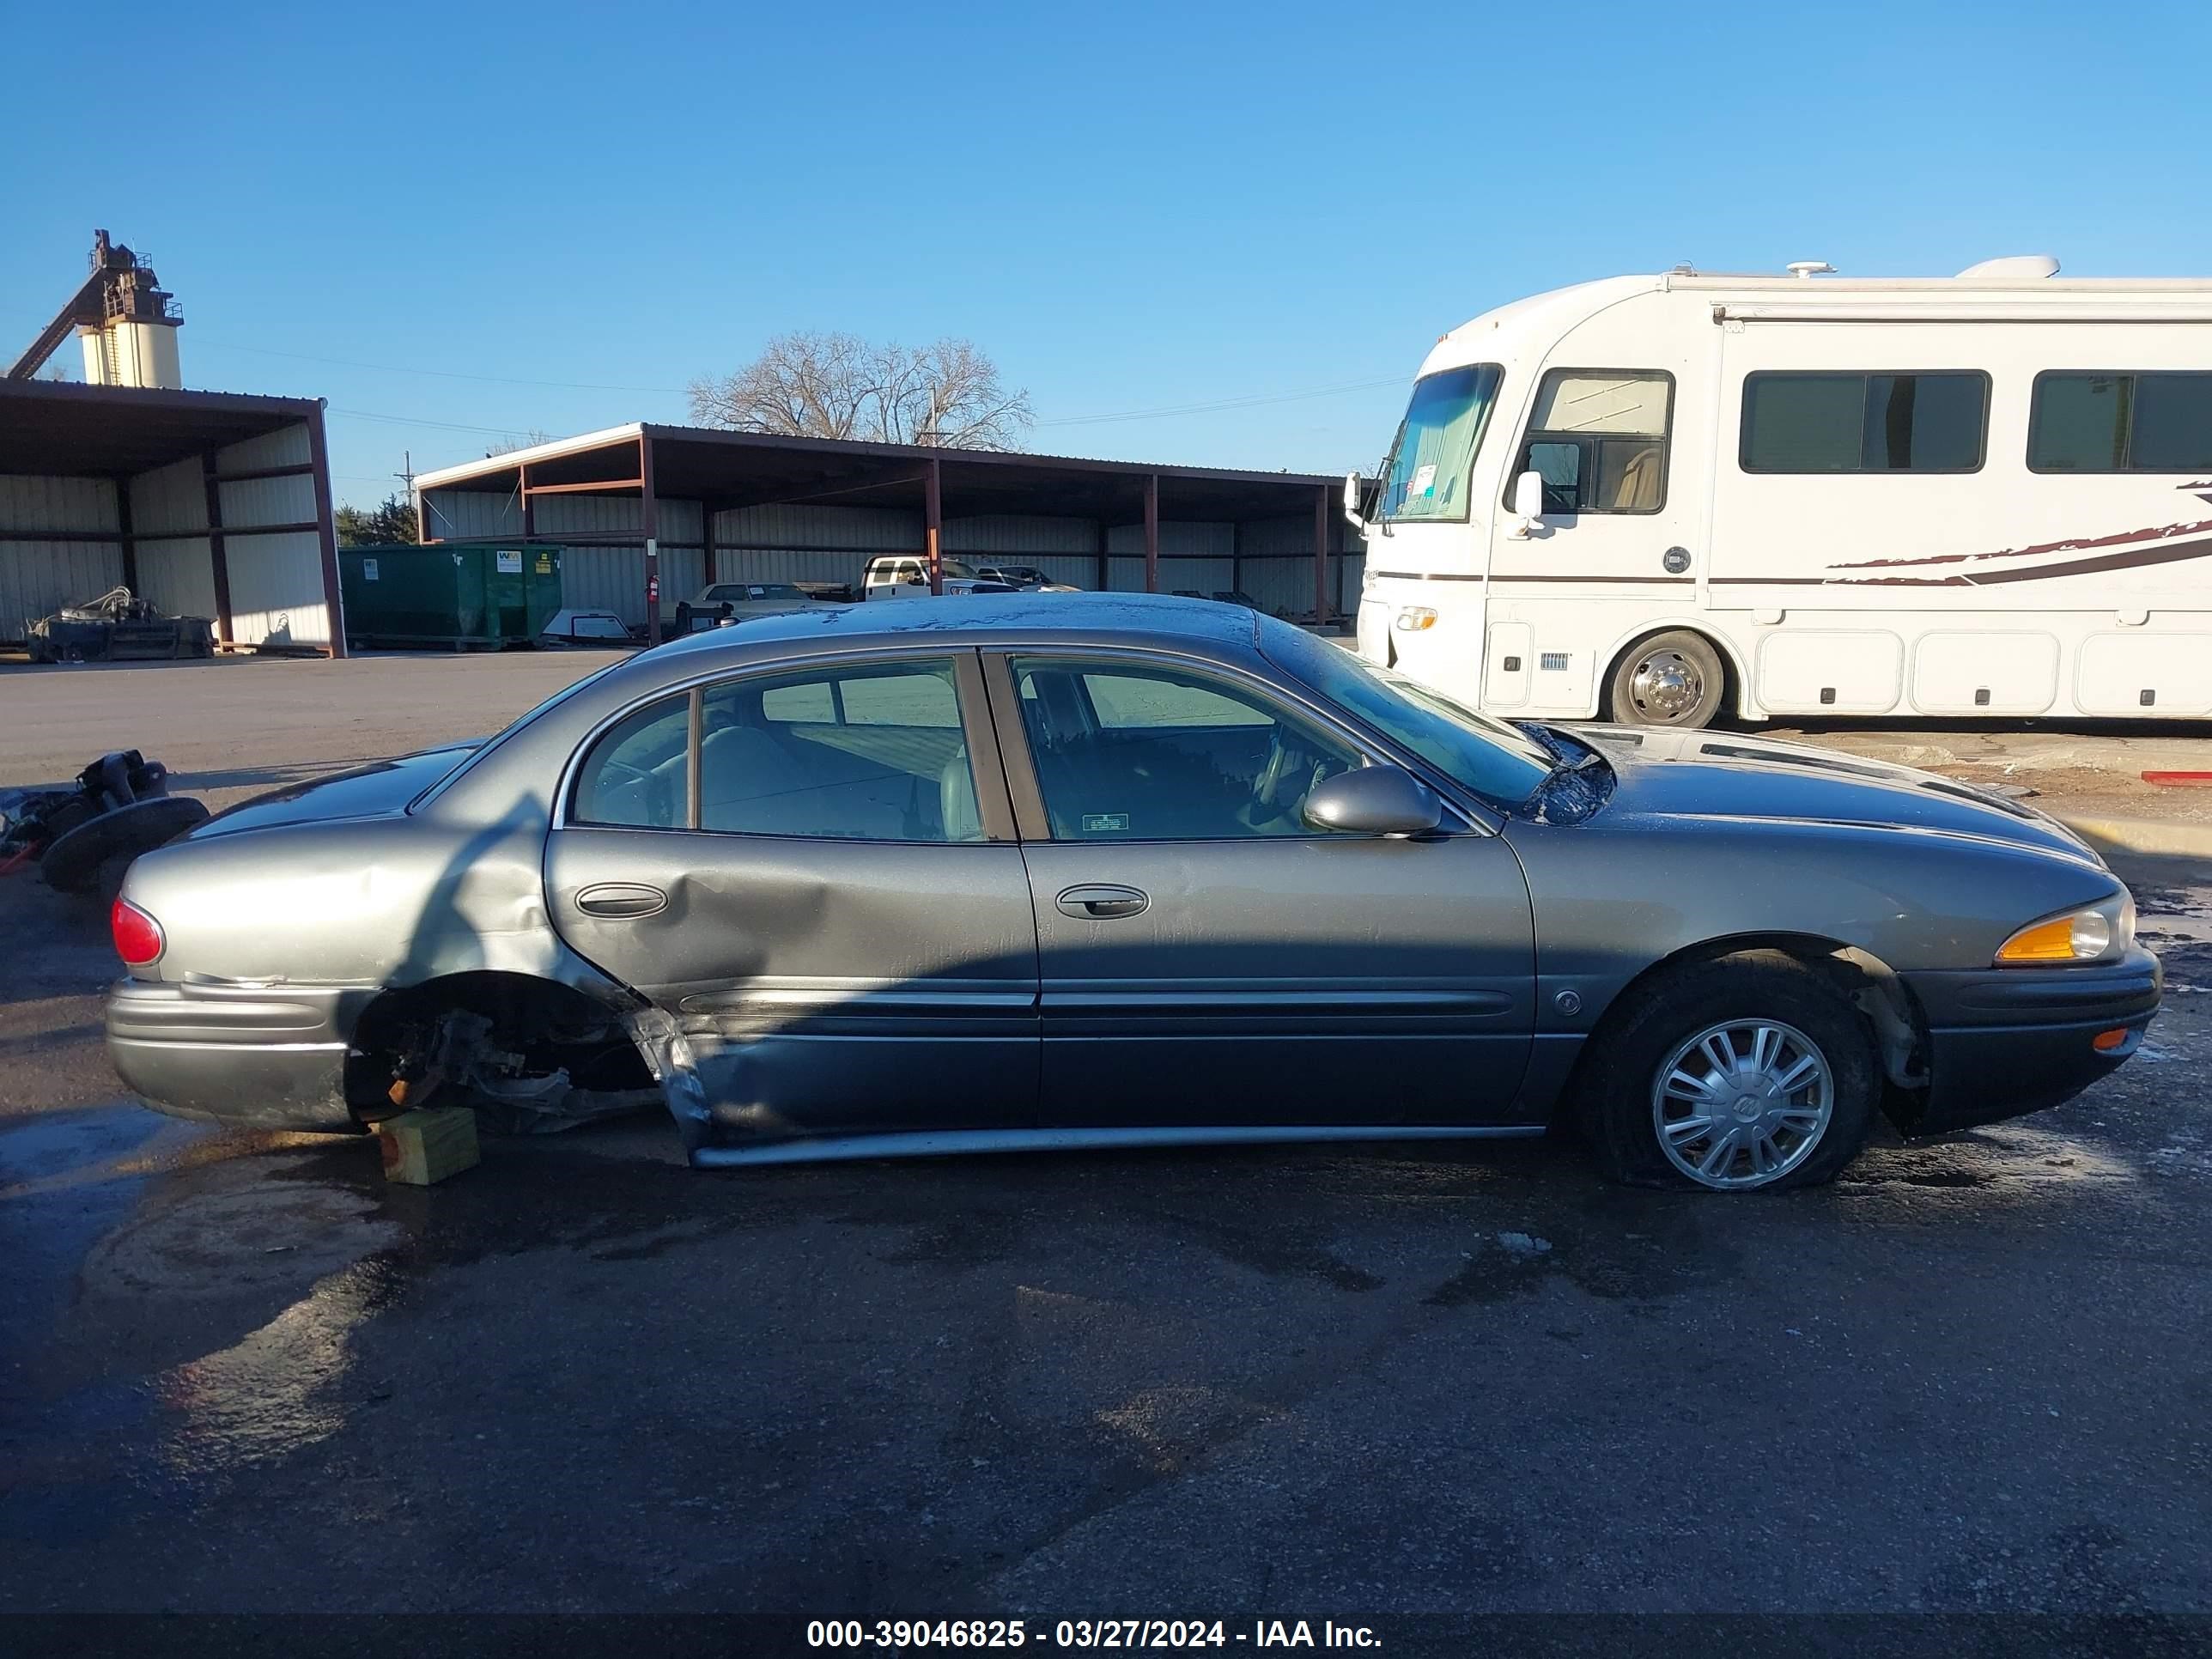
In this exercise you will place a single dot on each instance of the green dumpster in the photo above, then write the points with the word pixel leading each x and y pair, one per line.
pixel 461 595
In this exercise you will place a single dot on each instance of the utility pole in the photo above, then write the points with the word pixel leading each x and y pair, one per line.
pixel 406 477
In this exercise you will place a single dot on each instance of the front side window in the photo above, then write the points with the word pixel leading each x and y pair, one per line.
pixel 1426 476
pixel 1134 752
pixel 2092 422
pixel 1829 422
pixel 1598 438
pixel 867 752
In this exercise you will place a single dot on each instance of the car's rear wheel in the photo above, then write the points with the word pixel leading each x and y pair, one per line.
pixel 1748 1072
pixel 1673 679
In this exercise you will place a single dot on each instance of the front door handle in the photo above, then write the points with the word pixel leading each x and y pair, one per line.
pixel 1103 904
pixel 622 901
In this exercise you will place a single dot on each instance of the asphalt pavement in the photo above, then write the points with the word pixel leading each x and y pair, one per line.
pixel 240 1373
pixel 1971 1377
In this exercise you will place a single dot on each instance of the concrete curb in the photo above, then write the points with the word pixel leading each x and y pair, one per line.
pixel 2153 837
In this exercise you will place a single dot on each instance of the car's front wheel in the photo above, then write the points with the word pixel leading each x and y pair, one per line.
pixel 1749 1071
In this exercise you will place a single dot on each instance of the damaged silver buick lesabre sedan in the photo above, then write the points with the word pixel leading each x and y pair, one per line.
pixel 1099 870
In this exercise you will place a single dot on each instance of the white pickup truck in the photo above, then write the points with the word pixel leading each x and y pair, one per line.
pixel 905 576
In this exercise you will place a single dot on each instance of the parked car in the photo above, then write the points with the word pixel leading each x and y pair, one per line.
pixel 1116 869
pixel 1025 578
pixel 577 627
pixel 903 576
pixel 719 601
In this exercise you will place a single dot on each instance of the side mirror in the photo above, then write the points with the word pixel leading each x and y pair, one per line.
pixel 1352 502
pixel 1527 505
pixel 1375 800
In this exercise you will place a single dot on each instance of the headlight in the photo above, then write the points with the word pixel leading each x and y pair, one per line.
pixel 2092 935
pixel 1414 618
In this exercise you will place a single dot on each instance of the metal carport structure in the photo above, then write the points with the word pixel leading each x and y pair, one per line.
pixel 209 503
pixel 673 508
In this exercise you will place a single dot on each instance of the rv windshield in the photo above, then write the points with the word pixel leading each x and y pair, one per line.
pixel 1427 475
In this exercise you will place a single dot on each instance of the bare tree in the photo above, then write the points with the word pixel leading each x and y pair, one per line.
pixel 529 440
pixel 947 395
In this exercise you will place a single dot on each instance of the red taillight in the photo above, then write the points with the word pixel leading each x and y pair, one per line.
pixel 138 935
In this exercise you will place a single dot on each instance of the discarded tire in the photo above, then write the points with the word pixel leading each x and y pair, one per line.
pixel 72 859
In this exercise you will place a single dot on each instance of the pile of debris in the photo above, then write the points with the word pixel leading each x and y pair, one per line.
pixel 120 807
pixel 115 628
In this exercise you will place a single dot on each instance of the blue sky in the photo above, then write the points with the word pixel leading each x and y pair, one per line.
pixel 1135 208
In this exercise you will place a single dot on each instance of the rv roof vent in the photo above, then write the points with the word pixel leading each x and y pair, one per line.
pixel 2028 266
pixel 1809 268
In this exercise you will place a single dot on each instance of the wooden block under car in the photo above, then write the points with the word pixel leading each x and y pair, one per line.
pixel 423 1148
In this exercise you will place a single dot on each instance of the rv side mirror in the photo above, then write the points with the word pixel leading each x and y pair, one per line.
pixel 1527 504
pixel 1352 502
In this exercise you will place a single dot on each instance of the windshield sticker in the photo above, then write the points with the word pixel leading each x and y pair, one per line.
pixel 1103 823
pixel 1424 482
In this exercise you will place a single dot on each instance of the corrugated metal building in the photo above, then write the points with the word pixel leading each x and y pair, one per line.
pixel 693 506
pixel 209 503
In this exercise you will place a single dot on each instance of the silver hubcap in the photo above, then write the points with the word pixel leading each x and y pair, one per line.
pixel 1742 1103
pixel 1667 687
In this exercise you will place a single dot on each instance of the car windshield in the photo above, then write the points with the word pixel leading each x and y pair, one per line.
pixel 1426 476
pixel 959 568
pixel 1497 762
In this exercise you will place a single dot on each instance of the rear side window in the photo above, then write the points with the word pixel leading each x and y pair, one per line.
pixel 1888 422
pixel 638 774
pixel 869 752
pixel 2095 423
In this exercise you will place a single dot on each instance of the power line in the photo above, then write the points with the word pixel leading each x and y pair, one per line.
pixel 442 373
pixel 1253 402
pixel 443 425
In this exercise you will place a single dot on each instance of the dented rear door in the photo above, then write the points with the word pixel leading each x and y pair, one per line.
pixel 839 922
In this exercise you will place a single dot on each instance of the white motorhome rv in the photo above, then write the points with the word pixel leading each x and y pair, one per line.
pixel 1661 498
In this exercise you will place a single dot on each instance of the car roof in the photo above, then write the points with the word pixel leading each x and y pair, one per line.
pixel 971 620
pixel 526 758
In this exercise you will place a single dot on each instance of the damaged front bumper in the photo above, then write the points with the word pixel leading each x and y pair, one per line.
pixel 2003 1041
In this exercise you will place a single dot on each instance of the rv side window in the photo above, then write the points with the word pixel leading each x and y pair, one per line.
pixel 1598 436
pixel 1893 422
pixel 2090 422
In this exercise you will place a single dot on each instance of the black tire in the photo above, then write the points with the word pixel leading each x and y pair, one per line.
pixel 1616 1108
pixel 1676 679
pixel 72 862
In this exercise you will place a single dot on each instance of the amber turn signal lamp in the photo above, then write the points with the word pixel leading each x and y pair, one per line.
pixel 2105 1041
pixel 2048 941
pixel 2082 937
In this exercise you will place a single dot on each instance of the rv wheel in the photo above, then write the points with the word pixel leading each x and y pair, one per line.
pixel 1670 679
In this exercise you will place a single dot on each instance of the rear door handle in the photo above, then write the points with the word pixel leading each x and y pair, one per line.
pixel 1103 904
pixel 622 901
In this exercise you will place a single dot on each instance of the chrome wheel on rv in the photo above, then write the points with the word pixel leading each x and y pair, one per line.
pixel 1670 679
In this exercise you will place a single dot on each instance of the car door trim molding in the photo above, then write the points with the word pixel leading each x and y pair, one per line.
pixel 925 1143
